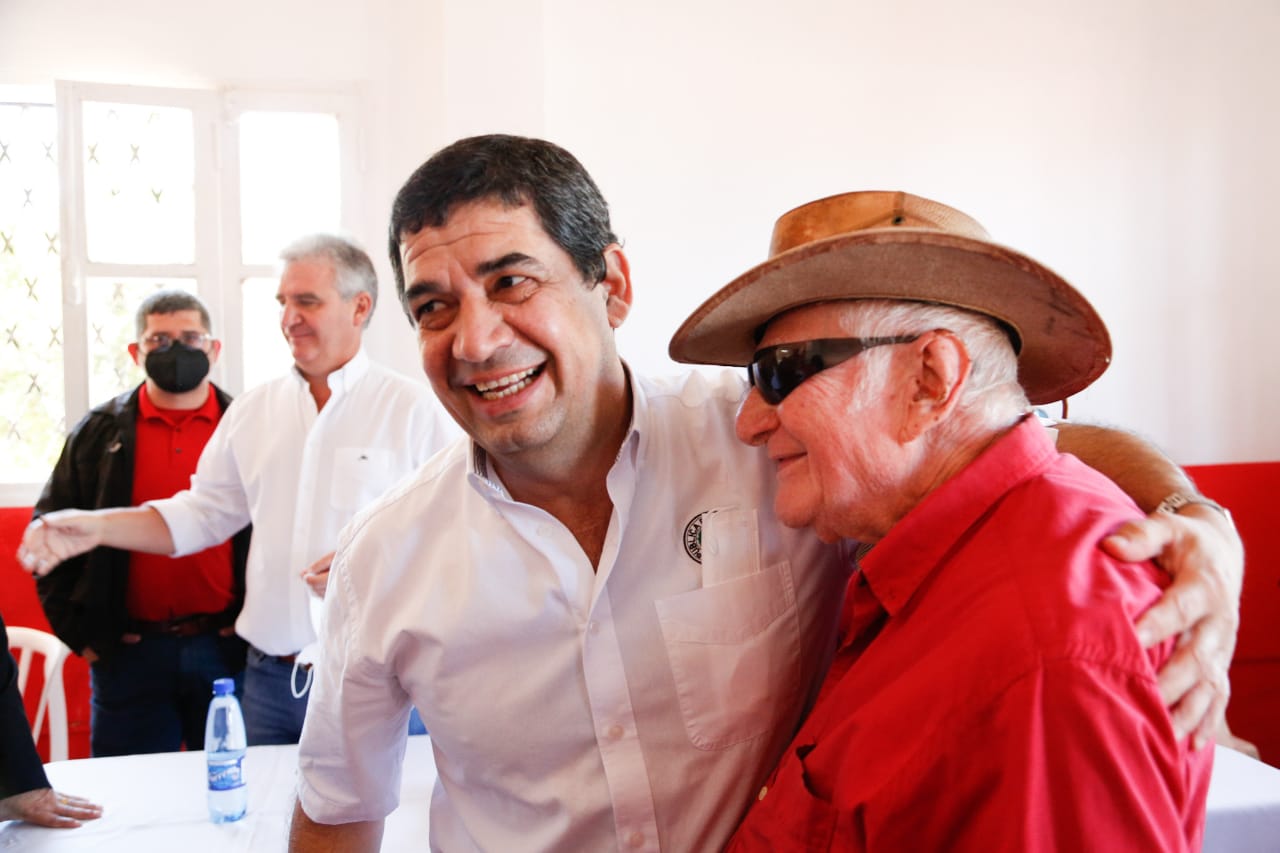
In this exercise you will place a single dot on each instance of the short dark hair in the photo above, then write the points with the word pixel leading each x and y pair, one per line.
pixel 515 170
pixel 171 302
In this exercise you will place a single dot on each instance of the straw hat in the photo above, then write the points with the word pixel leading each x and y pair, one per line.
pixel 893 245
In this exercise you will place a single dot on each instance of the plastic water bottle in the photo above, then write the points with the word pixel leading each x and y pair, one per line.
pixel 224 746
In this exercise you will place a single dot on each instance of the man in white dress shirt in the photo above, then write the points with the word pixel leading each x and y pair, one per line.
pixel 608 634
pixel 297 457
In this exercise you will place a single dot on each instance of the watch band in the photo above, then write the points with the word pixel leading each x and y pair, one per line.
pixel 1178 500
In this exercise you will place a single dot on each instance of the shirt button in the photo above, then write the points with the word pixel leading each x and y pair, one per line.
pixel 636 839
pixel 615 733
pixel 593 627
pixel 763 791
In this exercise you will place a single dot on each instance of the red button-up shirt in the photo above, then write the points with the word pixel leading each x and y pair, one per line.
pixel 989 692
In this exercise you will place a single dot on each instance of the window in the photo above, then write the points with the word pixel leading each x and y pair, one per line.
pixel 32 404
pixel 116 191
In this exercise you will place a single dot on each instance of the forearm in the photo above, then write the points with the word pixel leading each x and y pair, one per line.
pixel 1141 471
pixel 1137 467
pixel 55 538
pixel 307 836
pixel 136 529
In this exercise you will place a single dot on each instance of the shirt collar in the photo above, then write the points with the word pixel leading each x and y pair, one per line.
pixel 344 378
pixel 148 410
pixel 480 473
pixel 898 564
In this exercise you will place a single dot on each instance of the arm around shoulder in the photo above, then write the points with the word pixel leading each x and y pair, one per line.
pixel 1140 469
pixel 1199 546
pixel 308 836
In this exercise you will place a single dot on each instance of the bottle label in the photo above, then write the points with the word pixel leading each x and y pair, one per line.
pixel 226 776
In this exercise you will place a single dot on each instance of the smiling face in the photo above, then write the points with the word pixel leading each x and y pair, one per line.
pixel 517 346
pixel 834 439
pixel 321 327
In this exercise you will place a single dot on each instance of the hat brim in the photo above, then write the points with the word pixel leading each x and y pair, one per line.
pixel 1064 343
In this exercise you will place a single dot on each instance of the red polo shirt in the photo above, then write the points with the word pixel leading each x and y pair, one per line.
pixel 167 447
pixel 989 692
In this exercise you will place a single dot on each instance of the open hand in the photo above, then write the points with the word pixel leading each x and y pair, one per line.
pixel 58 536
pixel 1202 551
pixel 46 807
pixel 316 575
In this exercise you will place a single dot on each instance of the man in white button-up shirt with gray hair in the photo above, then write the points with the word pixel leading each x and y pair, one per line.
pixel 297 457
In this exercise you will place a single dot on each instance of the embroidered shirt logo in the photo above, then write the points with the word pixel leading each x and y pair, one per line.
pixel 693 537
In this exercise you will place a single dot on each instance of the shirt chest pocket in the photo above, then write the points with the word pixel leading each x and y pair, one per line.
pixel 359 475
pixel 734 650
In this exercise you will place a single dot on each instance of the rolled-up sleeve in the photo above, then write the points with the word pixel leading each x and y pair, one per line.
pixel 353 742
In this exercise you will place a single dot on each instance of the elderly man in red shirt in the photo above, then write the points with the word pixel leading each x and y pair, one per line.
pixel 989 690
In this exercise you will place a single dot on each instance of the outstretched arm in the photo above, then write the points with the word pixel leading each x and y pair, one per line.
pixel 1199 547
pixel 58 536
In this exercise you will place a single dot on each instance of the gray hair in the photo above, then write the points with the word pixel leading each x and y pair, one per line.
pixel 353 271
pixel 991 398
pixel 171 302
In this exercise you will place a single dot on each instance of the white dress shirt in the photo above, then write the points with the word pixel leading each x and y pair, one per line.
pixel 299 475
pixel 637 705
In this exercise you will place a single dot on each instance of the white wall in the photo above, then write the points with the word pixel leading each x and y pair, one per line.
pixel 320 45
pixel 1129 145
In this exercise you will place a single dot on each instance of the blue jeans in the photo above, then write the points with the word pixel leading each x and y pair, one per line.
pixel 153 695
pixel 271 713
pixel 416 726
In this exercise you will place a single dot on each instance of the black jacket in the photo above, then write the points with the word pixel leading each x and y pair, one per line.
pixel 20 767
pixel 84 597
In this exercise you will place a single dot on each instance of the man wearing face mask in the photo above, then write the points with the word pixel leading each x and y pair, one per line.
pixel 156 630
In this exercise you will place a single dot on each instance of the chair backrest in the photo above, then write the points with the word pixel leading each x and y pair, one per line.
pixel 26 643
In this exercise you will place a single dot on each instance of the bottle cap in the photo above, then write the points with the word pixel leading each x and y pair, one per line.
pixel 224 686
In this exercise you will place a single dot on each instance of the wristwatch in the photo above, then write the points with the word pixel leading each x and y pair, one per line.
pixel 1178 500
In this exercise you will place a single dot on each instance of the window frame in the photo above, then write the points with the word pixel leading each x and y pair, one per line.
pixel 77 268
pixel 218 267
pixel 234 271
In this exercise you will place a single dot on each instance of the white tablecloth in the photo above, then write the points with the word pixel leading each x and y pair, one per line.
pixel 1243 805
pixel 157 803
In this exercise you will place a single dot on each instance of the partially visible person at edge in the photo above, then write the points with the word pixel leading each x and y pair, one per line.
pixel 155 630
pixel 612 571
pixel 989 690
pixel 25 793
pixel 298 457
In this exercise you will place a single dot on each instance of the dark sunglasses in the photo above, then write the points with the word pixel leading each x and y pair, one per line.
pixel 779 370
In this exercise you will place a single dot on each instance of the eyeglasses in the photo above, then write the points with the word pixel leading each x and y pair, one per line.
pixel 159 342
pixel 779 370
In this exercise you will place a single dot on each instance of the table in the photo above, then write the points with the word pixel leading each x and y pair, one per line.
pixel 1243 813
pixel 156 802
